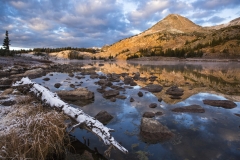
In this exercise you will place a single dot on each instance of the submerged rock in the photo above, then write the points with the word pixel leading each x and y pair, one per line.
pixel 121 97
pixel 192 108
pixel 152 131
pixel 127 80
pixel 77 94
pixel 140 94
pixel 153 88
pixel 110 93
pixel 72 85
pixel 131 99
pixel 113 99
pixel 153 105
pixel 174 91
pixel 220 103
pixel 46 79
pixel 104 82
pixel 159 99
pixel 104 117
pixel 148 114
pixel 57 85
pixel 93 76
pixel 71 75
pixel 159 113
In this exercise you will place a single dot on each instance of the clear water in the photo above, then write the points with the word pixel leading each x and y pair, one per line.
pixel 214 134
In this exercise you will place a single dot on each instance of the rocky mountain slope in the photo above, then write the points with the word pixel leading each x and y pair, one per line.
pixel 177 36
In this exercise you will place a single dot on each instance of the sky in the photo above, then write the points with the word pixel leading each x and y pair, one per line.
pixel 94 23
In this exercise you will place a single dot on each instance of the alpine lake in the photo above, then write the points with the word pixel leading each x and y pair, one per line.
pixel 214 134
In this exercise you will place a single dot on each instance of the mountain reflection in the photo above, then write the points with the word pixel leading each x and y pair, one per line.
pixel 193 77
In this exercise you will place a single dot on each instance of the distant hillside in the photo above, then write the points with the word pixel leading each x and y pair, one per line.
pixel 177 36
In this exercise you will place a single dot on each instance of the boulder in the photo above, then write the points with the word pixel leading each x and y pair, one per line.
pixel 159 99
pixel 72 85
pixel 77 94
pixel 117 88
pixel 153 88
pixel 131 99
pixel 71 75
pixel 110 93
pixel 148 114
pixel 133 83
pixel 136 76
pixel 152 78
pixel 121 97
pixel 57 85
pixel 175 92
pixel 140 94
pixel 102 77
pixel 192 109
pixel 104 117
pixel 93 76
pixel 220 103
pixel 113 99
pixel 175 97
pixel 153 105
pixel 127 80
pixel 46 79
pixel 159 113
pixel 152 131
pixel 104 82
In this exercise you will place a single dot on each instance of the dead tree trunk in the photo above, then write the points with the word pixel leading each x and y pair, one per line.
pixel 51 99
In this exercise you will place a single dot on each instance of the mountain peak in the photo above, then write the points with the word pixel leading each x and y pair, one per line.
pixel 174 23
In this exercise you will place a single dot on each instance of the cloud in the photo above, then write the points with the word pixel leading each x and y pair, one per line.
pixel 215 4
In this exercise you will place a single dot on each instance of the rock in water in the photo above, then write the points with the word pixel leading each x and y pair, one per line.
pixel 131 99
pixel 140 94
pixel 110 93
pixel 77 94
pixel 174 91
pixel 152 131
pixel 220 103
pixel 153 88
pixel 57 85
pixel 104 117
pixel 148 114
pixel 153 105
pixel 192 109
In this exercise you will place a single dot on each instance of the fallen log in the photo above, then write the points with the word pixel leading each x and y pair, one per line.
pixel 51 99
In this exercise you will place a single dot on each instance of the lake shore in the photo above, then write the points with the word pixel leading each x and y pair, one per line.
pixel 159 58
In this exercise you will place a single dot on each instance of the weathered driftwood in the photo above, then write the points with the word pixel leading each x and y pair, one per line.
pixel 52 99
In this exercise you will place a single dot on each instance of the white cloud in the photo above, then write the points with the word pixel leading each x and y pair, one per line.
pixel 19 4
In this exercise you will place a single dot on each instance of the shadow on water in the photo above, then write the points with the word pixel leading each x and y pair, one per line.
pixel 214 134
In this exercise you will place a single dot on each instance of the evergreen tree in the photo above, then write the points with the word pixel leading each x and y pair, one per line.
pixel 6 43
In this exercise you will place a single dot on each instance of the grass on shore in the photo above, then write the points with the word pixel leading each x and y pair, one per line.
pixel 32 132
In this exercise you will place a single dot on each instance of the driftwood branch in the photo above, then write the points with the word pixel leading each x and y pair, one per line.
pixel 52 99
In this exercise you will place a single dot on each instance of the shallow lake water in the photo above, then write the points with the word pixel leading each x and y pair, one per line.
pixel 214 134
